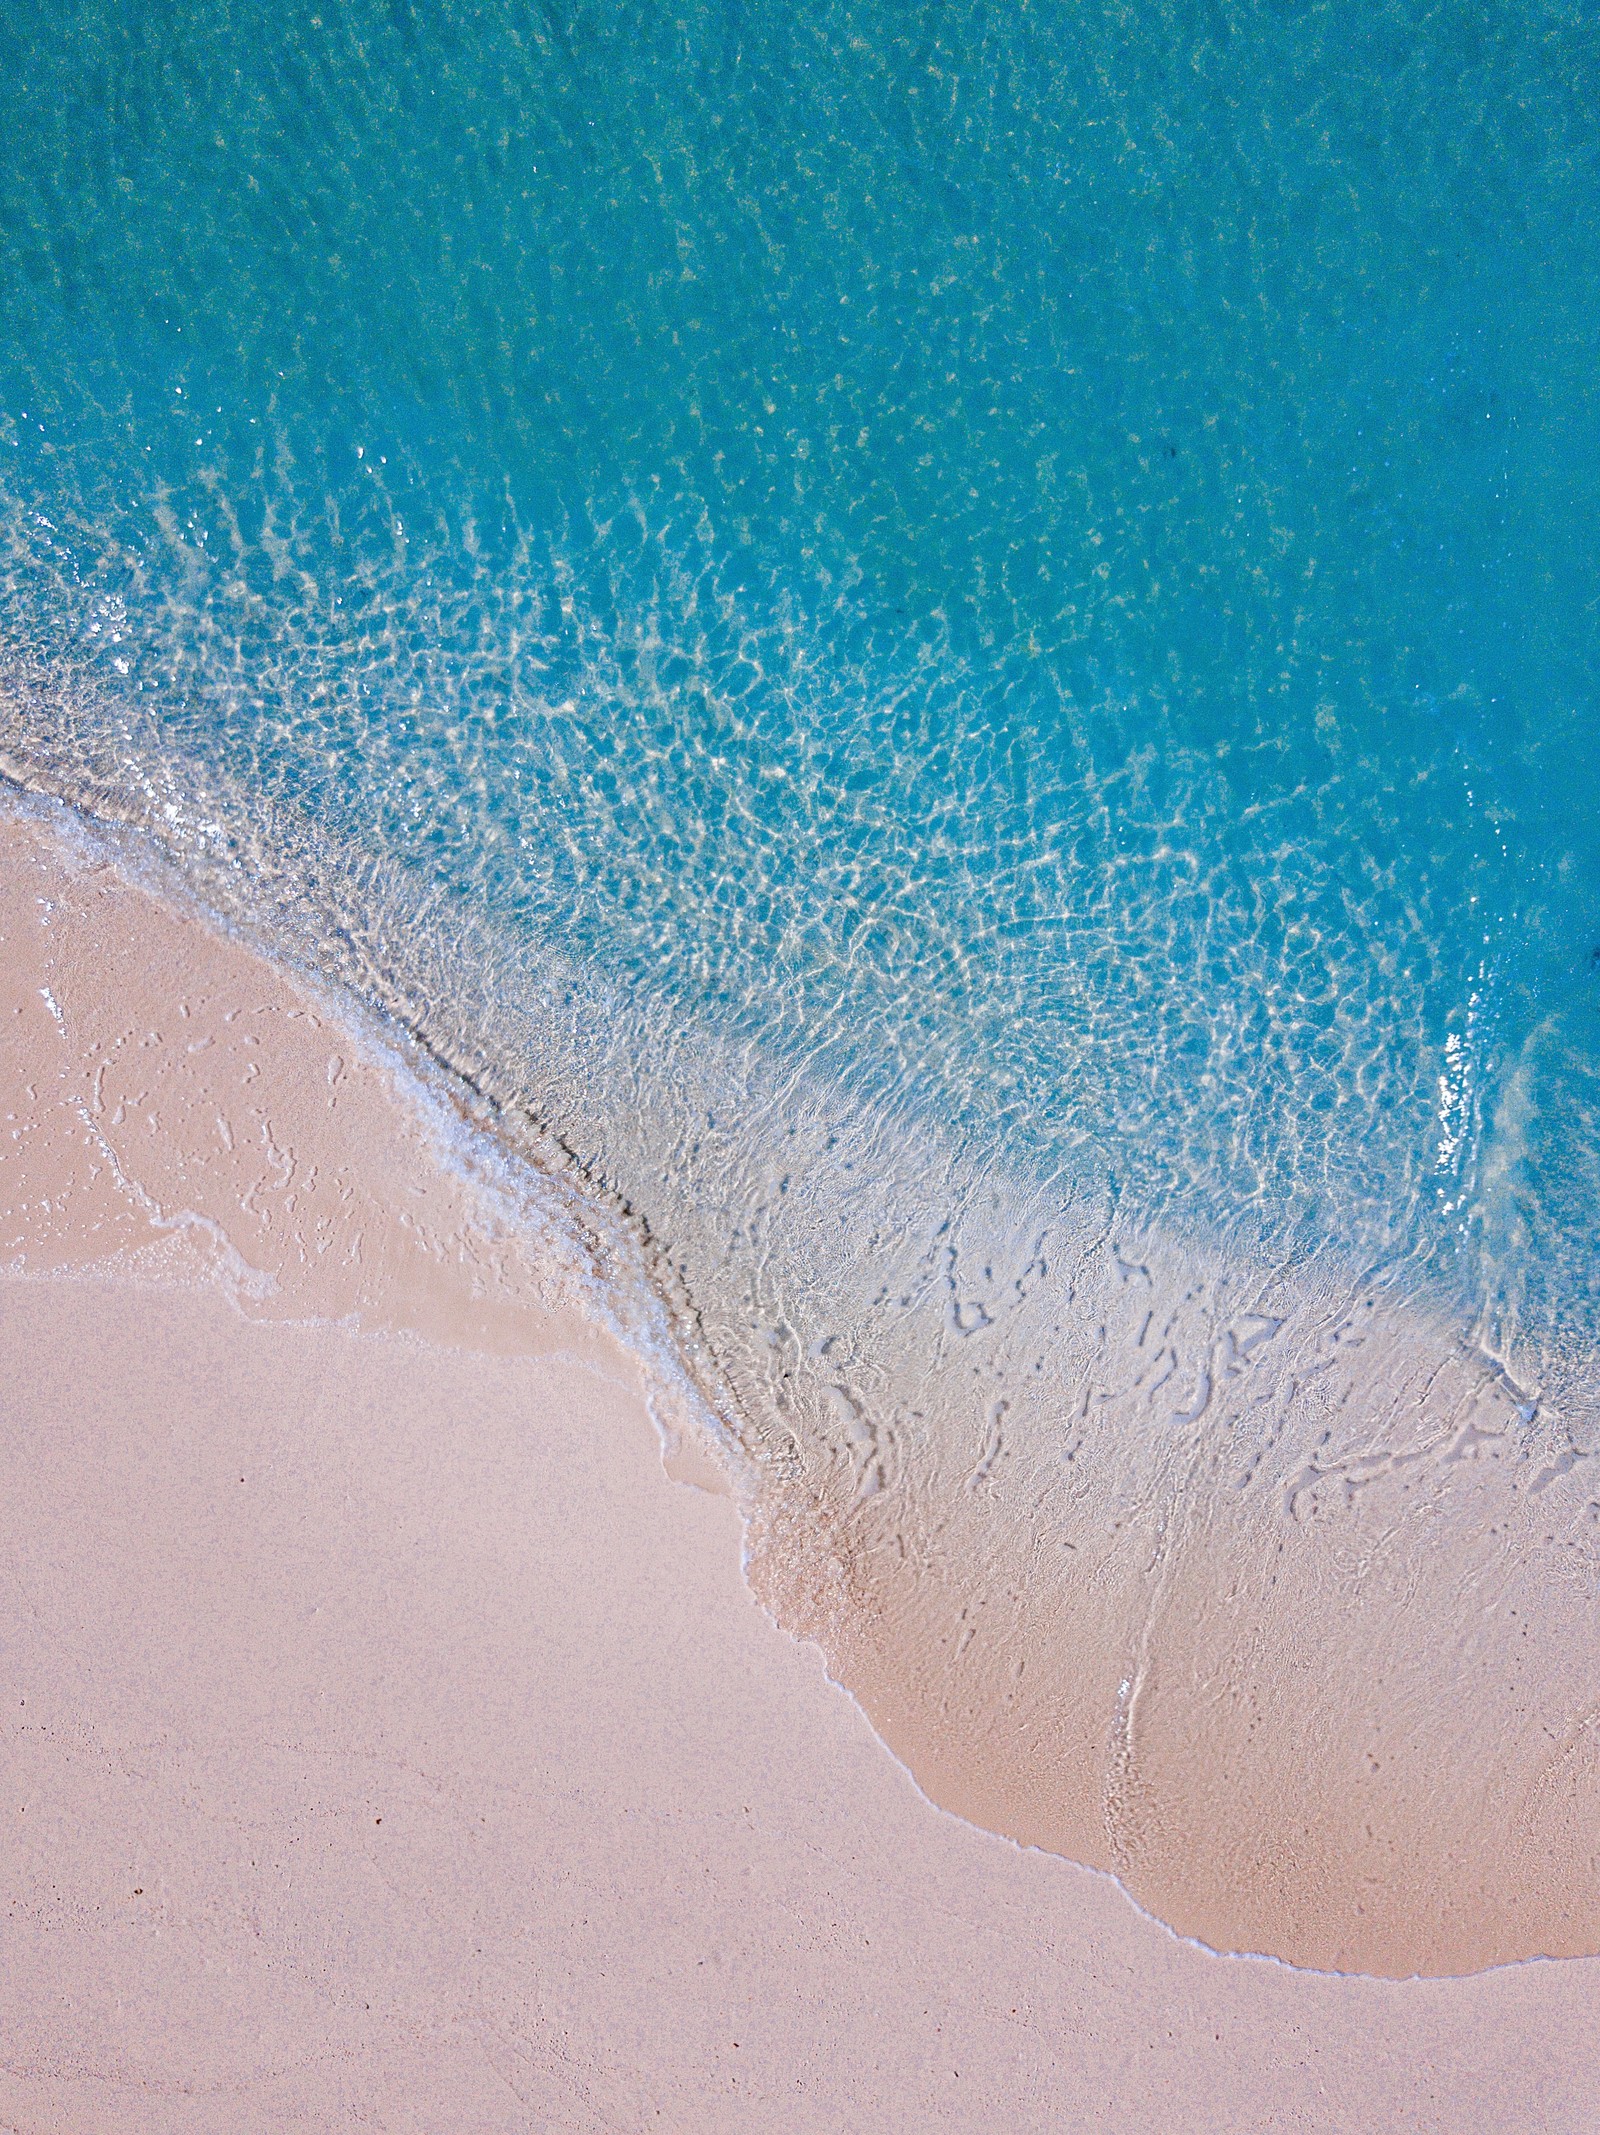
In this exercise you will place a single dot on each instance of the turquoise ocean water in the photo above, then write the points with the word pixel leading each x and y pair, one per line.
pixel 940 620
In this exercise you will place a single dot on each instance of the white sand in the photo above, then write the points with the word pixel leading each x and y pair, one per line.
pixel 390 1744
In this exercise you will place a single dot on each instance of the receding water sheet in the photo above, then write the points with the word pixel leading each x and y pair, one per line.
pixel 948 657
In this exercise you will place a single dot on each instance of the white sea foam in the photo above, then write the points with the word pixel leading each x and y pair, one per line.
pixel 1214 1570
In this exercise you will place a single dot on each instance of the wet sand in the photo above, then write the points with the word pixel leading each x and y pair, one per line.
pixel 390 1742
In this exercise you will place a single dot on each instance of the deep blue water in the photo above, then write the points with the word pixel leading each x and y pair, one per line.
pixel 1036 560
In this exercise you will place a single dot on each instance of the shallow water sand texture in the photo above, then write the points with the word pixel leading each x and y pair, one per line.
pixel 1311 1666
pixel 1010 580
pixel 1259 1590
pixel 392 1743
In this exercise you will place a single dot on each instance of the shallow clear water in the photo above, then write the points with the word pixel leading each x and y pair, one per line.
pixel 1011 589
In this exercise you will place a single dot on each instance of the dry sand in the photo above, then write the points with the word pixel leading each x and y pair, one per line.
pixel 391 1744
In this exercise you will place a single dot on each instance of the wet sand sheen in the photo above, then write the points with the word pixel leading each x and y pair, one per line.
pixel 188 1115
pixel 1265 1586
pixel 1312 1663
pixel 387 1738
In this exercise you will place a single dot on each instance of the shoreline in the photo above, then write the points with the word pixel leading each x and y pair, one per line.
pixel 376 1507
pixel 525 1220
pixel 381 1201
pixel 433 1768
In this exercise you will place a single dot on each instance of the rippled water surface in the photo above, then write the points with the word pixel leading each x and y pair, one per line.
pixel 964 639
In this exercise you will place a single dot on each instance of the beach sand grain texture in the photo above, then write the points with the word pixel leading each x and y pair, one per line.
pixel 178 1106
pixel 388 1742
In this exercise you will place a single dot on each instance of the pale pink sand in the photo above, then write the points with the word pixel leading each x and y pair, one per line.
pixel 390 1744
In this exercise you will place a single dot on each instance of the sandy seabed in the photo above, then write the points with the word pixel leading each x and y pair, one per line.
pixel 391 1743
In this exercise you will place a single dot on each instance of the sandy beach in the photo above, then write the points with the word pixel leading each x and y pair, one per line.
pixel 391 1742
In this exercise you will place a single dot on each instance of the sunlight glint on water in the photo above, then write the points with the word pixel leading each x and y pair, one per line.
pixel 1012 591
